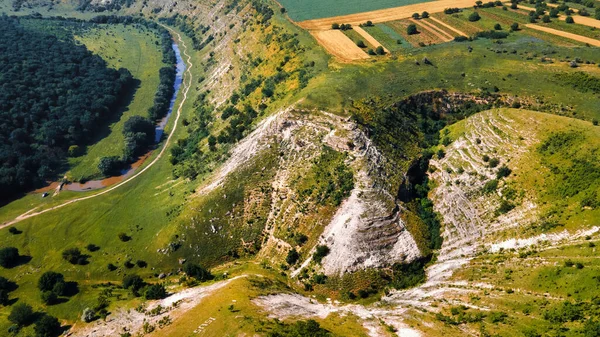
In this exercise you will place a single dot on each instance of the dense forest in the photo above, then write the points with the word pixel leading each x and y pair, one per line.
pixel 53 95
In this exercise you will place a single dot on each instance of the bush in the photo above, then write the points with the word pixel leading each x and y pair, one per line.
pixel 110 166
pixel 9 257
pixel 292 257
pixel 569 19
pixel 474 17
pixel 124 237
pixel 74 256
pixel 14 230
pixel 425 15
pixel 197 271
pixel 47 326
pixel 49 297
pixel 497 26
pixel 133 282
pixel 320 253
pixel 514 27
pixel 335 26
pixel 111 267
pixel 412 29
pixel 546 19
pixel 490 186
pixel 361 44
pixel 141 263
pixel 416 16
pixel 504 171
pixel 492 34
pixel 21 314
pixel 380 51
pixel 494 162
pixel 92 247
pixel 88 315
pixel 156 292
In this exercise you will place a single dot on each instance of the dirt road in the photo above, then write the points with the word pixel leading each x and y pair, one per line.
pixel 31 213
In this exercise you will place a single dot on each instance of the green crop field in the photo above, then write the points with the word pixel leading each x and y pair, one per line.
pixel 300 10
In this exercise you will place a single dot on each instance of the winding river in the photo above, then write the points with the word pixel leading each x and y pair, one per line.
pixel 159 131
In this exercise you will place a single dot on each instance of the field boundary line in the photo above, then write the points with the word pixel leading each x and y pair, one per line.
pixel 575 37
pixel 369 38
pixel 431 30
pixel 461 33
pixel 431 25
pixel 185 91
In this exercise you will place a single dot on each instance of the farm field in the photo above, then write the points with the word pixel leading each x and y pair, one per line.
pixel 299 10
pixel 339 45
pixel 388 37
pixel 385 15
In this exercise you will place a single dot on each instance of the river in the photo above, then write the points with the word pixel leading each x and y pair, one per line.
pixel 159 131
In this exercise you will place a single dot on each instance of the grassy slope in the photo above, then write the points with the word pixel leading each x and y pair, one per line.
pixel 122 47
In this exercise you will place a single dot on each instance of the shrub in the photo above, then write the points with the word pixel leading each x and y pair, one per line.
pixel 380 51
pixel 412 29
pixel 14 230
pixel 110 166
pixel 494 162
pixel 503 171
pixel 88 315
pixel 371 52
pixel 74 256
pixel 124 237
pixel 300 239
pixel 492 34
pixel 47 326
pixel 92 247
pixel 490 186
pixel 474 17
pixel 141 263
pixel 197 271
pixel 133 282
pixel 292 257
pixel 361 44
pixel 111 267
pixel 569 19
pixel 320 253
pixel 155 292
pixel 514 27
pixel 9 257
pixel 335 26
pixel 497 26
pixel 49 297
pixel 546 19
pixel 425 15
pixel 416 16
pixel 21 314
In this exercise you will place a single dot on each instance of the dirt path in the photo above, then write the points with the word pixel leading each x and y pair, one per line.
pixel 580 38
pixel 187 86
pixel 339 45
pixel 385 15
pixel 448 26
pixel 369 38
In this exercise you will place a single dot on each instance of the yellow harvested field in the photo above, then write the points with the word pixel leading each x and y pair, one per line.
pixel 436 28
pixel 385 15
pixel 584 39
pixel 339 45
pixel 442 23
pixel 369 38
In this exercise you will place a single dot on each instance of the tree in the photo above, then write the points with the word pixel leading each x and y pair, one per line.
pixel 369 24
pixel 425 15
pixel 21 314
pixel 74 256
pixel 380 51
pixel 335 26
pixel 155 292
pixel 546 19
pixel 361 44
pixel 569 19
pixel 47 326
pixel 474 17
pixel 110 166
pixel 416 16
pixel 133 282
pixel 320 252
pixel 412 29
pixel 497 26
pixel 292 257
pixel 514 27
pixel 197 271
pixel 9 257
pixel 4 297
pixel 49 297
pixel 212 143
pixel 124 237
pixel 49 280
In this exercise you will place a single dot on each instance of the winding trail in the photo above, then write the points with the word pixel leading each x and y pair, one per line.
pixel 187 86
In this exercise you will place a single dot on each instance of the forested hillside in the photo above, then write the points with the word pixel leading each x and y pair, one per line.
pixel 54 95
